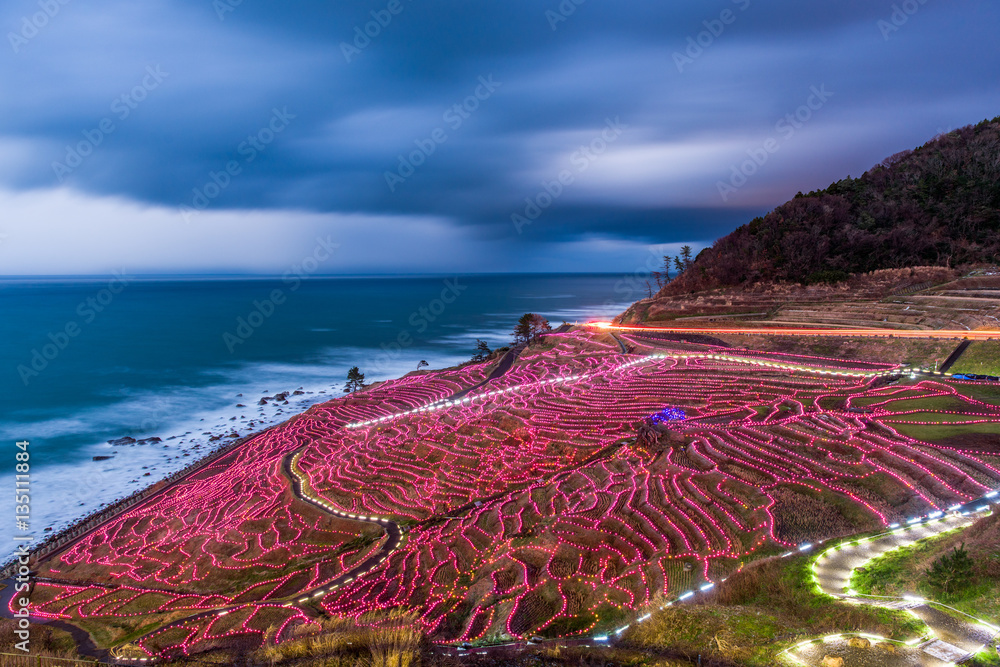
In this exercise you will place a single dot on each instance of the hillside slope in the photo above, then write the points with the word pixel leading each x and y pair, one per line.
pixel 938 205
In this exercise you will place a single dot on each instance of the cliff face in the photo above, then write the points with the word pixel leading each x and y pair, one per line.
pixel 938 205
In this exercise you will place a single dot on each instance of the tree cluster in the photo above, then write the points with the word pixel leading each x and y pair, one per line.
pixel 937 205
pixel 951 572
pixel 529 327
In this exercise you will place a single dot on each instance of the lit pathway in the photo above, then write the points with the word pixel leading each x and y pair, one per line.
pixel 394 534
pixel 949 641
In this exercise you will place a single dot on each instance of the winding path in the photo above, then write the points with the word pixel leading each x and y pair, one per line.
pixel 950 641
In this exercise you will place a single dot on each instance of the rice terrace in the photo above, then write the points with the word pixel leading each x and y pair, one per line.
pixel 601 478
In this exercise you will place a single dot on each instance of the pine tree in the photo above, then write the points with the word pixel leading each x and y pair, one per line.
pixel 482 350
pixel 952 571
pixel 679 265
pixel 529 327
pixel 686 257
pixel 666 268
pixel 355 380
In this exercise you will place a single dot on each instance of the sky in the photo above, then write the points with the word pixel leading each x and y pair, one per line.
pixel 241 136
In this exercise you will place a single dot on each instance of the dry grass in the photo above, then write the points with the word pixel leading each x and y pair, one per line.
pixel 45 642
pixel 378 640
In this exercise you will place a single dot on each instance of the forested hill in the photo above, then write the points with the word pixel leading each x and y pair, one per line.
pixel 936 205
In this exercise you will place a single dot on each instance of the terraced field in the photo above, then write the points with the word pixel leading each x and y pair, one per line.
pixel 555 500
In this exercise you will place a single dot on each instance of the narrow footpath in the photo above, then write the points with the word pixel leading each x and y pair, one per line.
pixel 951 639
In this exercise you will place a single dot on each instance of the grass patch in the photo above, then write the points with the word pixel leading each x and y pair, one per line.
pixel 981 358
pixel 987 393
pixel 950 403
pixel 941 417
pixel 934 432
pixel 871 400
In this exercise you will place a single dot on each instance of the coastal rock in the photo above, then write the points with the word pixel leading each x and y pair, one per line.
pixel 297 393
pixel 122 441
pixel 240 405
pixel 149 441
pixel 103 458
pixel 263 401
pixel 282 396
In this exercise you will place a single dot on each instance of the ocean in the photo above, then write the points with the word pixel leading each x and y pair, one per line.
pixel 84 362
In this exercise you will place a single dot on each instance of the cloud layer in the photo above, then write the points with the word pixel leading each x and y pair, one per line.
pixel 207 136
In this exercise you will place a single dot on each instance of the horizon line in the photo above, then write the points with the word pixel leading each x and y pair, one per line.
pixel 179 277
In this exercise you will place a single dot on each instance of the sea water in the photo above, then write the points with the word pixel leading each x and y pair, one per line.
pixel 83 362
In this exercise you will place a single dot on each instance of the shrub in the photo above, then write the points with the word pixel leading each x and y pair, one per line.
pixel 952 571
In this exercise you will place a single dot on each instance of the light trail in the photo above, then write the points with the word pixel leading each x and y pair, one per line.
pixel 841 333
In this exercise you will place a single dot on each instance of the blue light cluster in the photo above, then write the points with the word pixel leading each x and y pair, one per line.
pixel 668 415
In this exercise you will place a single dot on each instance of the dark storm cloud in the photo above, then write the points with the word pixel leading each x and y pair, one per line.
pixel 370 124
